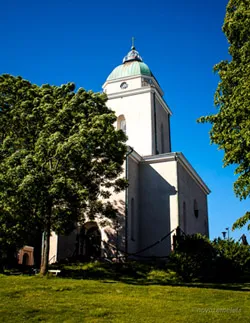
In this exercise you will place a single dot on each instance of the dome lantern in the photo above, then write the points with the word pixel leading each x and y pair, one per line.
pixel 133 55
pixel 132 65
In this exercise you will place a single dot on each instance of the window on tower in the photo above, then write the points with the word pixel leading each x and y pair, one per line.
pixel 121 123
pixel 196 210
pixel 162 139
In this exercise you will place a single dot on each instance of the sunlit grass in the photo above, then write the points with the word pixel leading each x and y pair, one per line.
pixel 35 299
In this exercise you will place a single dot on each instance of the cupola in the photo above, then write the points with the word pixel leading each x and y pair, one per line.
pixel 132 65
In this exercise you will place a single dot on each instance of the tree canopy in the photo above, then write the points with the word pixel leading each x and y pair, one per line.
pixel 231 124
pixel 59 156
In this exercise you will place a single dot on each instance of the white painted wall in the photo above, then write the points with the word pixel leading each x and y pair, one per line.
pixel 189 189
pixel 136 109
pixel 114 232
pixel 159 185
pixel 133 83
pixel 133 193
pixel 162 118
pixel 144 110
pixel 53 257
pixel 158 204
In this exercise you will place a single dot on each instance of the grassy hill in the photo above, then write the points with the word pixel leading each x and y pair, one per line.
pixel 36 299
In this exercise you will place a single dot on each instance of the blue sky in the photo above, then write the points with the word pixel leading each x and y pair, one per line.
pixel 82 41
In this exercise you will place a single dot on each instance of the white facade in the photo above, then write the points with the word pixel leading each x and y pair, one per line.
pixel 164 191
pixel 145 112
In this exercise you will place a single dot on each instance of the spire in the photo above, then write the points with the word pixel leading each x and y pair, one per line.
pixel 133 55
pixel 133 43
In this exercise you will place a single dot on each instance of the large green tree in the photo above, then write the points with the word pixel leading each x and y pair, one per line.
pixel 231 124
pixel 59 156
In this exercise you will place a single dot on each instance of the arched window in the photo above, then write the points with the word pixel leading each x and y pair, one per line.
pixel 162 139
pixel 184 217
pixel 132 219
pixel 196 210
pixel 121 123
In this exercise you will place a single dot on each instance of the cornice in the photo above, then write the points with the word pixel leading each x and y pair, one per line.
pixel 159 158
pixel 129 92
pixel 163 103
pixel 178 157
pixel 135 156
pixel 121 79
pixel 189 168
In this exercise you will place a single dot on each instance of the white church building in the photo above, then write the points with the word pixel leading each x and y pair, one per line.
pixel 164 192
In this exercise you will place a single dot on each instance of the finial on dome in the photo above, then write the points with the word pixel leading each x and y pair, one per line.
pixel 133 55
pixel 133 43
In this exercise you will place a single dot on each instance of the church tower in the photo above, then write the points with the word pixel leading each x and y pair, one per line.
pixel 137 99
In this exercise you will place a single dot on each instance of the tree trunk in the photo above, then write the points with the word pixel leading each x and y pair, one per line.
pixel 45 251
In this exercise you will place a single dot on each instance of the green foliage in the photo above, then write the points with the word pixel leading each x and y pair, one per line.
pixel 197 258
pixel 193 257
pixel 130 272
pixel 59 155
pixel 231 124
pixel 232 261
pixel 92 270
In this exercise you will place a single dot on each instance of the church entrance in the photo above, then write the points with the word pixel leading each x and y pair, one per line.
pixel 93 243
pixel 90 241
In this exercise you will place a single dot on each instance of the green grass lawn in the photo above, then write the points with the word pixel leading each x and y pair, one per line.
pixel 36 299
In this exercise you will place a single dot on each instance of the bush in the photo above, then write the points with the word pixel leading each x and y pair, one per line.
pixel 198 259
pixel 232 261
pixel 193 258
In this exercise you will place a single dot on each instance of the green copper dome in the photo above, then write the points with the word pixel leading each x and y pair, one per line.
pixel 132 65
pixel 130 69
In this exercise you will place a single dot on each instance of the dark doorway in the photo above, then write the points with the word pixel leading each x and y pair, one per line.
pixel 25 259
pixel 93 243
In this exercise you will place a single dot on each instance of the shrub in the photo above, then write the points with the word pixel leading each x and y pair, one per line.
pixel 193 258
pixel 232 261
pixel 198 259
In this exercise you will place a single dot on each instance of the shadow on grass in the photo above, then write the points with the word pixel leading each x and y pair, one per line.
pixel 135 273
pixel 243 287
